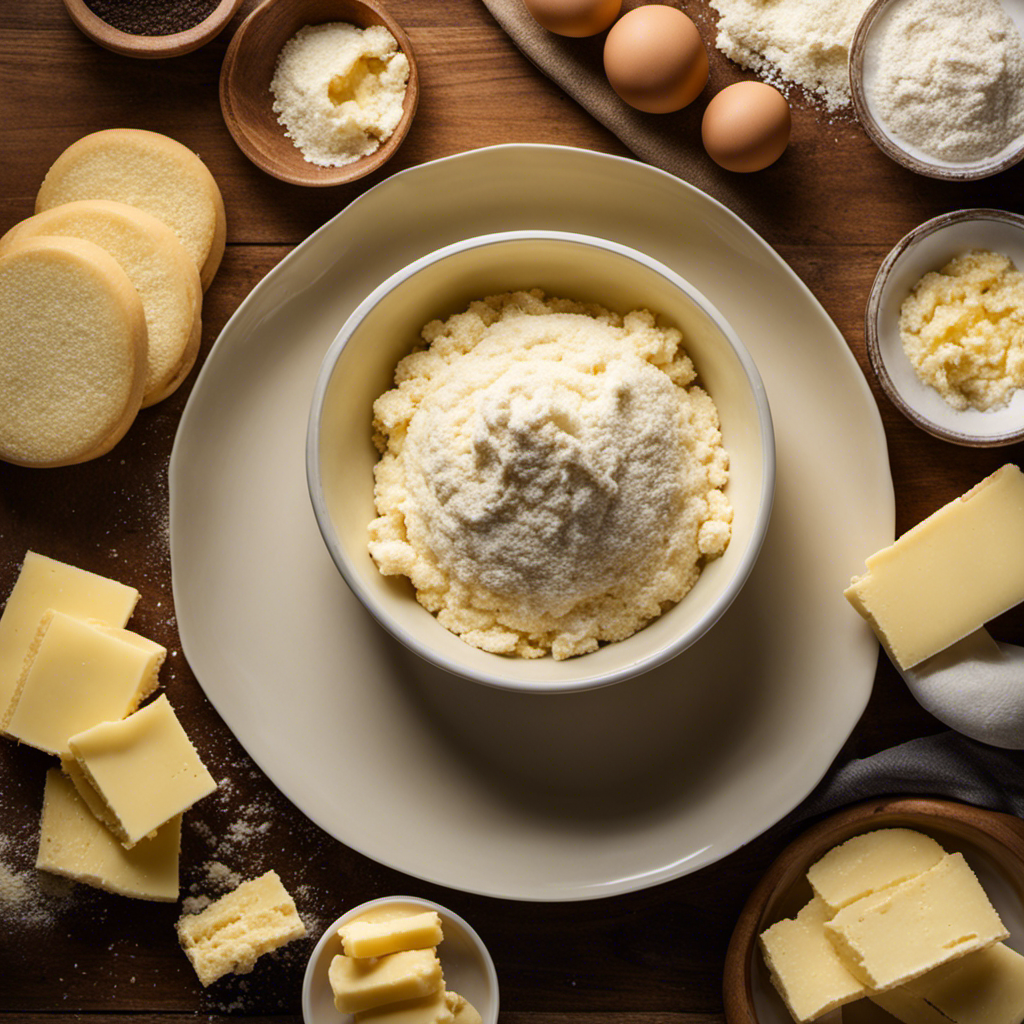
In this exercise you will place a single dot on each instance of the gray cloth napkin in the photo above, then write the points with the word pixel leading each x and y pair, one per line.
pixel 669 141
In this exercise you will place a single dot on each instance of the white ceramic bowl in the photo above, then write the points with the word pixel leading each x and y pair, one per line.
pixel 466 963
pixel 930 247
pixel 360 366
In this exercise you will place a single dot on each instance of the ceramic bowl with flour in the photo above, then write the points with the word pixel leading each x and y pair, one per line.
pixel 360 367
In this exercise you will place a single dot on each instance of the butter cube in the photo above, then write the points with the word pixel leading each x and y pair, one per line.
pixel 74 844
pixel 80 673
pixel 45 583
pixel 431 1009
pixel 982 988
pixel 870 862
pixel 950 574
pixel 900 933
pixel 805 968
pixel 463 1011
pixel 137 773
pixel 390 929
pixel 234 931
pixel 364 984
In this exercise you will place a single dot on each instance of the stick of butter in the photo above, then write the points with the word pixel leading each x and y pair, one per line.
pixel 430 1009
pixel 805 968
pixel 391 930
pixel 363 984
pixel 950 574
pixel 900 933
pixel 983 988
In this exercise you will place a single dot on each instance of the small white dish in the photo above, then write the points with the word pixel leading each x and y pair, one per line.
pixel 930 247
pixel 360 366
pixel 467 965
pixel 863 76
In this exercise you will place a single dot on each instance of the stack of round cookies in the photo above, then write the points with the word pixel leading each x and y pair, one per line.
pixel 101 293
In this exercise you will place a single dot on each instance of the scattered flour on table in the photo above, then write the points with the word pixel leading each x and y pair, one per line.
pixel 800 42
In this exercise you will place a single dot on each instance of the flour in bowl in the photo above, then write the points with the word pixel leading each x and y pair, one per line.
pixel 551 476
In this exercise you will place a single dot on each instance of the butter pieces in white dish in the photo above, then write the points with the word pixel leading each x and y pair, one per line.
pixel 363 984
pixel 390 930
pixel 232 933
pixel 74 844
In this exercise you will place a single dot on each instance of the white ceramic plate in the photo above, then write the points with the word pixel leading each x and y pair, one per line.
pixel 523 796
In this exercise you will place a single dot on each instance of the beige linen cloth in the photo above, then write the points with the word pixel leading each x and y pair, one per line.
pixel 669 141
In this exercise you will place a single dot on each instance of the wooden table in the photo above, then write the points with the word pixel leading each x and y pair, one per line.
pixel 655 955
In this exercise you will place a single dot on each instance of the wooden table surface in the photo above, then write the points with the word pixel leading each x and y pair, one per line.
pixel 832 209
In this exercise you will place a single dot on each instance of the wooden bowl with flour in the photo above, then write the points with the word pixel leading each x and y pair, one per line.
pixel 247 102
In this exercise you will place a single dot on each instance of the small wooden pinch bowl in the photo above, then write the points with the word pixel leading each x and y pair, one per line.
pixel 151 47
pixel 992 843
pixel 247 103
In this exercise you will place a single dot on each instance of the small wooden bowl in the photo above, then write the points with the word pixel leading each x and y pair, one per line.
pixel 151 47
pixel 992 843
pixel 246 101
pixel 861 68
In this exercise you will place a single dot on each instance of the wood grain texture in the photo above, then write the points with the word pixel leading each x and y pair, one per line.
pixel 833 207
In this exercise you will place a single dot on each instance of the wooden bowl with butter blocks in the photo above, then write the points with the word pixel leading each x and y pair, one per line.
pixel 247 102
pixel 991 843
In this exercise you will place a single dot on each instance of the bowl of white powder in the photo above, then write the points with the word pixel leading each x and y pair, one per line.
pixel 543 461
pixel 936 84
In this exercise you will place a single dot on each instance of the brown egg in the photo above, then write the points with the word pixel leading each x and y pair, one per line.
pixel 746 126
pixel 655 59
pixel 574 17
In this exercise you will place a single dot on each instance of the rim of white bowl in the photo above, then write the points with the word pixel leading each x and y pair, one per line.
pixel 588 681
pixel 490 972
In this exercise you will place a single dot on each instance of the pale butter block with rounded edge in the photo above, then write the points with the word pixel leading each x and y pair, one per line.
pixel 151 171
pixel 232 933
pixel 950 574
pixel 143 769
pixel 45 583
pixel 364 984
pixel 981 988
pixel 805 968
pixel 463 1011
pixel 434 1008
pixel 900 933
pixel 870 862
pixel 157 264
pixel 79 674
pixel 72 843
pixel 390 930
pixel 73 351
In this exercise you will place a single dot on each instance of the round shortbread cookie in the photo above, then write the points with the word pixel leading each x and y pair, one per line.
pixel 156 264
pixel 152 172
pixel 73 352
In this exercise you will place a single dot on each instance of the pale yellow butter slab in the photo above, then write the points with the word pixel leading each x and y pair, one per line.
pixel 463 1011
pixel 360 985
pixel 233 932
pixel 870 862
pixel 81 673
pixel 434 1008
pixel 143 769
pixel 982 988
pixel 804 966
pixel 45 583
pixel 74 844
pixel 900 933
pixel 950 574
pixel 390 932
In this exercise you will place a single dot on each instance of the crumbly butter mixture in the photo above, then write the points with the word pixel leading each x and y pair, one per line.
pixel 949 77
pixel 338 90
pixel 806 42
pixel 962 329
pixel 551 476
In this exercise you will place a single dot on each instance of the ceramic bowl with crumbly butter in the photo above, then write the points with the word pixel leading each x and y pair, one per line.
pixel 992 844
pixel 930 247
pixel 466 963
pixel 360 366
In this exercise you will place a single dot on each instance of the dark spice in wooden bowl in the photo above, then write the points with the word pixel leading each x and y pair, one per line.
pixel 152 17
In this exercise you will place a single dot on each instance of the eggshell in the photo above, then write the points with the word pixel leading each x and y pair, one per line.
pixel 655 59
pixel 574 17
pixel 746 126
